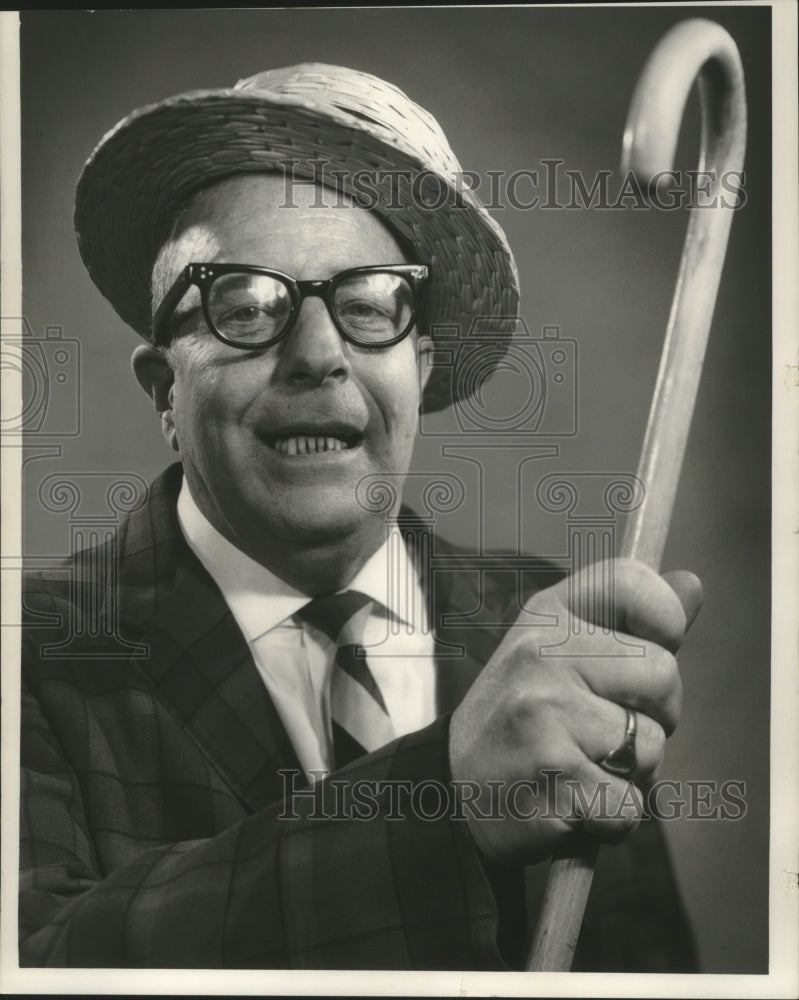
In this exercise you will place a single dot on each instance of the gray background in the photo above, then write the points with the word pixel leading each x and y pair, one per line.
pixel 509 87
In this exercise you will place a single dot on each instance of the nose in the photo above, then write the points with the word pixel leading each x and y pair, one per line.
pixel 313 352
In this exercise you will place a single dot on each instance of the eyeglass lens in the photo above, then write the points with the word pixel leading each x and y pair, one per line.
pixel 255 308
pixel 249 308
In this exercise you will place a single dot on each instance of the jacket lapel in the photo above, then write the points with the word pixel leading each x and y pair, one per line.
pixel 468 614
pixel 469 626
pixel 471 600
pixel 199 664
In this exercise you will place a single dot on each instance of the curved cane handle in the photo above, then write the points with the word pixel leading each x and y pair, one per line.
pixel 693 48
pixel 703 48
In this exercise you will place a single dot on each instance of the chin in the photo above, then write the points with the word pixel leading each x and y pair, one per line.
pixel 320 520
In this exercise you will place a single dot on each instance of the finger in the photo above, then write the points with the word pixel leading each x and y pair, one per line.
pixel 627 596
pixel 607 730
pixel 649 682
pixel 609 808
pixel 688 589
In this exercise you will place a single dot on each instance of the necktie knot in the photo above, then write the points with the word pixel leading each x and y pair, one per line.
pixel 359 718
pixel 341 617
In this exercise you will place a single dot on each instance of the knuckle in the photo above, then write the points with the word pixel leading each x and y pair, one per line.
pixel 521 652
pixel 520 714
pixel 530 715
pixel 667 691
pixel 632 572
pixel 657 740
pixel 620 821
pixel 674 707
pixel 665 675
pixel 619 831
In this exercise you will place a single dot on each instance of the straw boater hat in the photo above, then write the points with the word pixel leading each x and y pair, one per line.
pixel 344 128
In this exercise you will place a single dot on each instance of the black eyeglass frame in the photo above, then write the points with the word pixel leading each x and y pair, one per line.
pixel 204 275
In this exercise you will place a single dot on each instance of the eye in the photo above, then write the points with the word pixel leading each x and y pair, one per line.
pixel 248 306
pixel 361 309
pixel 245 314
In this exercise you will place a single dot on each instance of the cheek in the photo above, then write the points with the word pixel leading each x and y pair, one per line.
pixel 400 390
pixel 201 403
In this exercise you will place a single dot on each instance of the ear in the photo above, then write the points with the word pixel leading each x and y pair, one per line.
pixel 156 376
pixel 424 351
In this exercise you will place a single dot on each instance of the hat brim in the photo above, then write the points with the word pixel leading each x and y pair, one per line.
pixel 146 168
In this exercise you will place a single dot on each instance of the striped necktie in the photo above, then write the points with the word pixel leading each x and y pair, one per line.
pixel 359 717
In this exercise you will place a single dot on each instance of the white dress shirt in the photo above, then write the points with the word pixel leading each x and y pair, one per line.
pixel 295 660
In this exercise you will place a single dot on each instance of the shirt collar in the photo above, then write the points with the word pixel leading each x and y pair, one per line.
pixel 259 600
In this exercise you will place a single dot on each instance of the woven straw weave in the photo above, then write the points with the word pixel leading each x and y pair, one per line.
pixel 145 169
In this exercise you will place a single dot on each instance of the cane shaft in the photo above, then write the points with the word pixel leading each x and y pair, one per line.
pixel 564 903
pixel 693 47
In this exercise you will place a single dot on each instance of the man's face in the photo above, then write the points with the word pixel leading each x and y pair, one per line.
pixel 237 413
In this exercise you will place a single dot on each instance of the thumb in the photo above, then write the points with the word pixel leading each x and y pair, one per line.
pixel 688 589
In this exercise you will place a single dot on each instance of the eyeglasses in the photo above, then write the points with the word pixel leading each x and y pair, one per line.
pixel 251 307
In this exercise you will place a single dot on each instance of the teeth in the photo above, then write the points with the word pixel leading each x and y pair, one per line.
pixel 304 445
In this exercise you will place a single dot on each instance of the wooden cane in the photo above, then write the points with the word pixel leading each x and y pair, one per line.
pixel 694 49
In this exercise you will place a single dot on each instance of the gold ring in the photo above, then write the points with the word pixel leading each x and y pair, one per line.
pixel 622 760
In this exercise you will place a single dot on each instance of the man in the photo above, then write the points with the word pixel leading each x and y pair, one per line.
pixel 292 332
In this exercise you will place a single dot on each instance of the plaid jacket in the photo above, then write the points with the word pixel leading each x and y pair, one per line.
pixel 157 829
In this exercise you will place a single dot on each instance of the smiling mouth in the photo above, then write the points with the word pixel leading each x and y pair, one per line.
pixel 312 444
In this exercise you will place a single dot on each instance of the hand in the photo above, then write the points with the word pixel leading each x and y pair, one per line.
pixel 531 712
